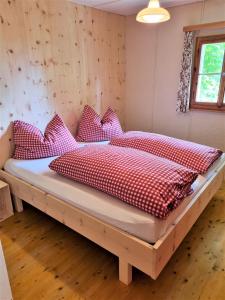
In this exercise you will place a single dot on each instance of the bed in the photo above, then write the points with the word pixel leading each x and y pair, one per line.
pixel 137 238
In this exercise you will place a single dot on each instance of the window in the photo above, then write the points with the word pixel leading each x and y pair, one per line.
pixel 208 85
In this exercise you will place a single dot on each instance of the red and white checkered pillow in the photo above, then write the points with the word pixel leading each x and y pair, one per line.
pixel 191 155
pixel 94 129
pixel 148 182
pixel 32 144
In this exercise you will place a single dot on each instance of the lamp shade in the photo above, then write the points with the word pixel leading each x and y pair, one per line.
pixel 153 13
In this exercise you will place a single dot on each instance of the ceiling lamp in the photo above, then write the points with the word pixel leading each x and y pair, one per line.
pixel 153 13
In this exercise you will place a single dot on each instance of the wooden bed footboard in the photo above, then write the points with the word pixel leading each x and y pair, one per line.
pixel 131 250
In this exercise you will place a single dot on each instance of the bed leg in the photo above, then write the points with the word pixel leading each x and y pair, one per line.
pixel 18 204
pixel 125 272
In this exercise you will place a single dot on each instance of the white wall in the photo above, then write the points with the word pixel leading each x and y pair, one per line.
pixel 153 65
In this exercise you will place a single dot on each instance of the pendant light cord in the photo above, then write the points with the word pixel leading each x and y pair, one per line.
pixel 202 12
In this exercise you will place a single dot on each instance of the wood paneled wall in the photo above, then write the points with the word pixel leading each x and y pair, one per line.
pixel 57 56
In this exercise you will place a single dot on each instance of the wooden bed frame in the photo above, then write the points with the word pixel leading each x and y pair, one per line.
pixel 131 250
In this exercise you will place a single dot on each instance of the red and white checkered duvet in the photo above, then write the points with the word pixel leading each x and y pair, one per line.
pixel 153 184
pixel 191 155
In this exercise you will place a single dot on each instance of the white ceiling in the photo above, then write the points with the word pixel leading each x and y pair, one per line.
pixel 128 7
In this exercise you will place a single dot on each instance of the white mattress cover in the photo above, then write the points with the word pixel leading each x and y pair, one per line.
pixel 99 204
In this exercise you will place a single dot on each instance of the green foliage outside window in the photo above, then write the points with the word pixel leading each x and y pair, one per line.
pixel 211 63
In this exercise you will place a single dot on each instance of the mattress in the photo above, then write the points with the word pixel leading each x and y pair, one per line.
pixel 99 204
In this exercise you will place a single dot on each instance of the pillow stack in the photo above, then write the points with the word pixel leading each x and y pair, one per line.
pixel 94 129
pixel 32 144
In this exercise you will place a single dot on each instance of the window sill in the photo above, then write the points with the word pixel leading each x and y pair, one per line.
pixel 207 109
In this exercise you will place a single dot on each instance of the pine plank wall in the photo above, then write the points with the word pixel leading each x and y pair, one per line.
pixel 57 56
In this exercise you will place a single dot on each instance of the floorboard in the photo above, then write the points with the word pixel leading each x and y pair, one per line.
pixel 46 260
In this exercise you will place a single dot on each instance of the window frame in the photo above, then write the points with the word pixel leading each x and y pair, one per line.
pixel 219 106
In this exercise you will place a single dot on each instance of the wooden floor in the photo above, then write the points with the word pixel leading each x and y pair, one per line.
pixel 46 260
